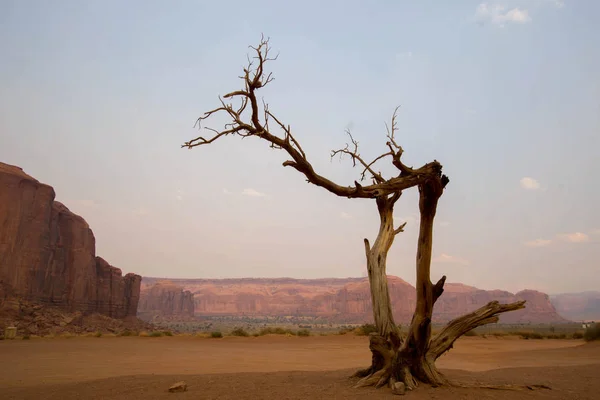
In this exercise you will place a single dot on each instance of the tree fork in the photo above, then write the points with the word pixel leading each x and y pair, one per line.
pixel 412 360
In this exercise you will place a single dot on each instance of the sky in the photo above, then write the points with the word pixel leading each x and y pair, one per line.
pixel 97 97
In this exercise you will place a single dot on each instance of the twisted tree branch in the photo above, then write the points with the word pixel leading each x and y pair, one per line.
pixel 488 314
pixel 249 118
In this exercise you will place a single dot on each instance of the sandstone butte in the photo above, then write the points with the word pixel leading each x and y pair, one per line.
pixel 165 299
pixel 347 300
pixel 48 254
pixel 583 306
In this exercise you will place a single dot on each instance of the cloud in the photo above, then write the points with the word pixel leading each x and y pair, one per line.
pixel 538 243
pixel 575 237
pixel 225 191
pixel 595 232
pixel 345 215
pixel 557 3
pixel 529 183
pixel 179 194
pixel 252 193
pixel 497 15
pixel 448 259
pixel 141 211
pixel 406 54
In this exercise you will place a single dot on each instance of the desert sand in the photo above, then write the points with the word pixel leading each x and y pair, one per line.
pixel 279 367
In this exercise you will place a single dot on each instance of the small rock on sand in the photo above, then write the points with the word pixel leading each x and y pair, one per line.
pixel 178 387
pixel 399 388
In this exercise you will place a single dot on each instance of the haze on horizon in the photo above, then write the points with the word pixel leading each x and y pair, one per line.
pixel 97 98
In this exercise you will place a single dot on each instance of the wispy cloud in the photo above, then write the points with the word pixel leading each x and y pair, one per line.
pixel 345 215
pixel 179 194
pixel 529 183
pixel 556 3
pixel 404 55
pixel 253 193
pixel 538 243
pixel 448 259
pixel 141 211
pixel 225 191
pixel 595 231
pixel 575 237
pixel 498 14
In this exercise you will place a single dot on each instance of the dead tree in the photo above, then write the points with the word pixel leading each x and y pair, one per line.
pixel 409 360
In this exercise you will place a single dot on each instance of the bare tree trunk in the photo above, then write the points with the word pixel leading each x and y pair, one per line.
pixel 388 334
pixel 413 352
pixel 376 266
pixel 412 360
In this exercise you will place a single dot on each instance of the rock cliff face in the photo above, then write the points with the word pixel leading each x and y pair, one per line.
pixel 348 300
pixel 584 306
pixel 47 253
pixel 166 299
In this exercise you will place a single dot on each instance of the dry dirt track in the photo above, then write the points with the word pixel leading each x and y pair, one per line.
pixel 279 368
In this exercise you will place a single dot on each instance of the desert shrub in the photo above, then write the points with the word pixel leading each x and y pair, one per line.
pixel 26 337
pixel 592 333
pixel 98 334
pixel 167 333
pixel 556 336
pixel 216 335
pixel 126 332
pixel 239 332
pixel 529 335
pixel 275 331
pixel 156 334
pixel 303 332
pixel 471 333
pixel 256 334
pixel 365 329
pixel 345 329
pixel 577 335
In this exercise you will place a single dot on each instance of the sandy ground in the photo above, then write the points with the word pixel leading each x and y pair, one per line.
pixel 279 367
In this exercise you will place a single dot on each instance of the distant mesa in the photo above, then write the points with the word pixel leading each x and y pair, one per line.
pixel 584 306
pixel 165 300
pixel 48 254
pixel 347 300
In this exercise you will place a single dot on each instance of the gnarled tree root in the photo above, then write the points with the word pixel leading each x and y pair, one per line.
pixel 394 360
pixel 388 377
